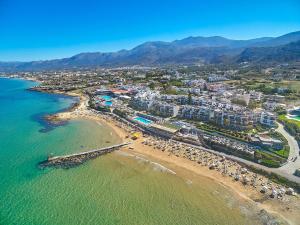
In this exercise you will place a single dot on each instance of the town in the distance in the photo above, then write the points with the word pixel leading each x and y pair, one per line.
pixel 242 120
pixel 149 112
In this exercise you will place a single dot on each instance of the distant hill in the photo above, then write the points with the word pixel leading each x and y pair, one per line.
pixel 281 40
pixel 214 49
pixel 284 53
pixel 217 41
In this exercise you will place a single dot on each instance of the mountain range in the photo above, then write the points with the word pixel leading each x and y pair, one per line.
pixel 189 50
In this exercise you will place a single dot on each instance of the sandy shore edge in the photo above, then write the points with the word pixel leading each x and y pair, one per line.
pixel 178 164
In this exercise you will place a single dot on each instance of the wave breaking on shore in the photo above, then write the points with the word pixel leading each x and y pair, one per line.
pixel 156 166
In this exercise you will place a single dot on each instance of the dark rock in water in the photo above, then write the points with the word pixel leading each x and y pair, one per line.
pixel 50 122
pixel 47 122
pixel 54 119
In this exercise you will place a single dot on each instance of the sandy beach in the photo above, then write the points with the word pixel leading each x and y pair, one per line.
pixel 287 208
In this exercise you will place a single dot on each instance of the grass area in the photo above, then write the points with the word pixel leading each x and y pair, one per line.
pixel 293 85
pixel 283 152
pixel 260 128
pixel 266 156
pixel 270 163
pixel 291 126
pixel 240 136
pixel 283 118
pixel 170 125
pixel 120 113
pixel 268 159
pixel 270 87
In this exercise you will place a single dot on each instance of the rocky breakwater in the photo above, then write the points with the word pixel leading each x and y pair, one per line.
pixel 55 119
pixel 73 160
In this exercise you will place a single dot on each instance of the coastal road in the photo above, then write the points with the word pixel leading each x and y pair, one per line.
pixel 285 171
pixel 279 171
pixel 290 167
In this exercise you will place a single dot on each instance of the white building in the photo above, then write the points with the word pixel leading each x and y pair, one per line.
pixel 268 119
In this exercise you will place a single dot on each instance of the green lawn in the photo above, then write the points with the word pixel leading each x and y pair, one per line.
pixel 268 159
pixel 170 125
pixel 285 119
pixel 286 148
pixel 241 136
pixel 270 163
pixel 291 126
pixel 283 152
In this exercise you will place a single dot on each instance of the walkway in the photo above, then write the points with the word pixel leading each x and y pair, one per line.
pixel 291 165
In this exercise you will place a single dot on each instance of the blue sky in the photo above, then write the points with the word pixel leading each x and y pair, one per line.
pixel 46 29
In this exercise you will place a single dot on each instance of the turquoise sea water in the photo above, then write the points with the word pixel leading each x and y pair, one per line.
pixel 113 189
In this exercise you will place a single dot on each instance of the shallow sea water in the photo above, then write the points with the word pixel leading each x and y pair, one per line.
pixel 112 189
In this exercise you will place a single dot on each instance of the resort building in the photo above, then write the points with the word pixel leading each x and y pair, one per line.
pixel 210 107
pixel 143 100
pixel 268 119
pixel 142 104
pixel 164 109
pixel 224 117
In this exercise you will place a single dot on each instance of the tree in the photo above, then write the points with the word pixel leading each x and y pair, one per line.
pixel 152 86
pixel 253 104
pixel 257 155
pixel 280 111
pixel 190 98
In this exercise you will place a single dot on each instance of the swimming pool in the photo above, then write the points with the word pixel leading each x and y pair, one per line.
pixel 106 97
pixel 108 103
pixel 142 120
pixel 296 118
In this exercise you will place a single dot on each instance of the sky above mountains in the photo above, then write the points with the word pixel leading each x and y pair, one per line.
pixel 34 29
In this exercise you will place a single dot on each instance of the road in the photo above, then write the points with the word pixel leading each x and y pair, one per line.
pixel 285 171
pixel 291 166
pixel 279 171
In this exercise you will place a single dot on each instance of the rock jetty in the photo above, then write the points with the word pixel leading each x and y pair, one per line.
pixel 69 161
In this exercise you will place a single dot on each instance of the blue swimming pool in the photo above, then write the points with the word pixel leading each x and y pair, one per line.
pixel 142 120
pixel 108 103
pixel 106 97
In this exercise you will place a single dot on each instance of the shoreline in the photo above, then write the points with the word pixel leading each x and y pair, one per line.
pixel 178 164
